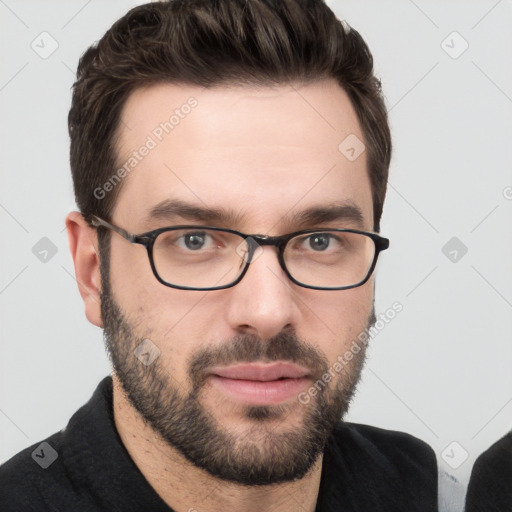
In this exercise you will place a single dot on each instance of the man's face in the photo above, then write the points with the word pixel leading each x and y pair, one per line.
pixel 263 156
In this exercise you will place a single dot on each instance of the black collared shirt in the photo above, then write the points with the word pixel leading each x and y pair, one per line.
pixel 365 469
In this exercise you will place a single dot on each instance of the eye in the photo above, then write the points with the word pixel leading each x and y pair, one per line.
pixel 319 241
pixel 195 241
pixel 190 241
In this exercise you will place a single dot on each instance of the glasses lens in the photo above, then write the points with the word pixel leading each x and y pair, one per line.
pixel 199 258
pixel 330 259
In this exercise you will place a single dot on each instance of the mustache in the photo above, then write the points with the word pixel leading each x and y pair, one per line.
pixel 248 348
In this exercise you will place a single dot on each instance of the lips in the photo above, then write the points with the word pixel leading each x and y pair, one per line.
pixel 260 384
pixel 261 372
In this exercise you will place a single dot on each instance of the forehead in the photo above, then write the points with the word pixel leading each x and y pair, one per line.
pixel 263 153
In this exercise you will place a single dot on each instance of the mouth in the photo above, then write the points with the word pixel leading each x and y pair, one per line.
pixel 260 384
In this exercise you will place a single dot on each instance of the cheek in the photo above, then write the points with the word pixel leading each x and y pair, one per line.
pixel 343 316
pixel 130 273
pixel 141 296
pixel 178 322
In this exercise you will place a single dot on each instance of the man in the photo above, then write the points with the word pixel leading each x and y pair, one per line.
pixel 230 161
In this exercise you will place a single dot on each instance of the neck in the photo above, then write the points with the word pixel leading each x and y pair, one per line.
pixel 186 488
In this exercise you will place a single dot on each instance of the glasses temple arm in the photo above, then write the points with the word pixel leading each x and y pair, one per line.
pixel 96 221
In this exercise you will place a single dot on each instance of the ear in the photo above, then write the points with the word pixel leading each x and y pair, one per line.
pixel 83 244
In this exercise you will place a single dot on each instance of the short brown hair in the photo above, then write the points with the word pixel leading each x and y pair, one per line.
pixel 209 43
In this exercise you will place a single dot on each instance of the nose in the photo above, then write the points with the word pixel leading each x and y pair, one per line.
pixel 263 303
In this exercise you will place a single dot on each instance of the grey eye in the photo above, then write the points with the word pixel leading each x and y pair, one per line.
pixel 319 242
pixel 194 241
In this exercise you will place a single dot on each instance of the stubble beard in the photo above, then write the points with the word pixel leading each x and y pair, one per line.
pixel 266 453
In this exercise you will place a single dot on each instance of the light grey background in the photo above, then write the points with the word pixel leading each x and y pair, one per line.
pixel 441 370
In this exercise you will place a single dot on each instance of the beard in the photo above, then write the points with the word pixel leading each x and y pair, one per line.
pixel 261 455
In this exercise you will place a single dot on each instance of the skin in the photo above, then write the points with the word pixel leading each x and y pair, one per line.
pixel 266 154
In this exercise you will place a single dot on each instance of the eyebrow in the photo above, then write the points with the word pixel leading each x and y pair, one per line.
pixel 337 212
pixel 171 209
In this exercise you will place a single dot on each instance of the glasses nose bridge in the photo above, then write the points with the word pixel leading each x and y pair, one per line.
pixel 256 241
pixel 273 241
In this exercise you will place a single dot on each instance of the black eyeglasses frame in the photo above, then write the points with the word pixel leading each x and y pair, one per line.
pixel 253 242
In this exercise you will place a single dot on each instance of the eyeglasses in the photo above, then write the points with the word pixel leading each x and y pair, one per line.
pixel 208 258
